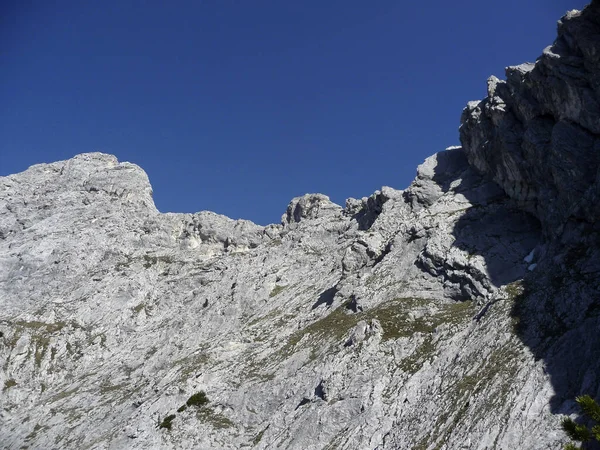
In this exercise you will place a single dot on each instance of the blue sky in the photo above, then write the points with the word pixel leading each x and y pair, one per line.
pixel 236 106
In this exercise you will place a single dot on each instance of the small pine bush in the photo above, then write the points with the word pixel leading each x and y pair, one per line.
pixel 198 399
pixel 582 433
pixel 167 422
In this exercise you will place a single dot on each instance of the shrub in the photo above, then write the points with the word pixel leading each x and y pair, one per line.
pixel 167 422
pixel 198 399
pixel 579 432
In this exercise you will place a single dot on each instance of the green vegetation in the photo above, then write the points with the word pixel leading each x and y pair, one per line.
pixel 514 290
pixel 138 308
pixel 191 363
pixel 41 346
pixel 268 317
pixel 398 324
pixel 526 298
pixel 581 432
pixel 198 399
pixel 63 394
pixel 276 290
pixel 9 383
pixel 41 334
pixel 517 294
pixel 41 326
pixel 413 363
pixel 259 436
pixel 216 420
pixel 33 434
pixel 397 318
pixel 106 387
pixel 335 324
pixel 256 369
pixel 150 261
pixel 479 393
pixel 167 422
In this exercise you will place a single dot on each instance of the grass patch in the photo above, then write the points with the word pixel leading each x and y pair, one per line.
pixel 514 290
pixel 492 380
pixel 11 382
pixel 397 323
pixel 255 371
pixel 107 387
pixel 41 346
pixel 216 420
pixel 517 294
pixel 271 315
pixel 41 333
pixel 276 290
pixel 396 318
pixel 259 436
pixel 35 431
pixel 150 261
pixel 413 363
pixel 62 395
pixel 41 326
pixel 190 364
pixel 200 401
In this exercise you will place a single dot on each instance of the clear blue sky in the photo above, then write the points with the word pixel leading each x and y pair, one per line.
pixel 236 106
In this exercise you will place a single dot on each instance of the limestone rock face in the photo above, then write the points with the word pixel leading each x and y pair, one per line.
pixel 537 133
pixel 461 312
pixel 309 206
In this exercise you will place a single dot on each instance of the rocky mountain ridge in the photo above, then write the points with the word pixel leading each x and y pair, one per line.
pixel 461 312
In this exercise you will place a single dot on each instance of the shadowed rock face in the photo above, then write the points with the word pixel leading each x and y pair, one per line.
pixel 461 312
pixel 537 134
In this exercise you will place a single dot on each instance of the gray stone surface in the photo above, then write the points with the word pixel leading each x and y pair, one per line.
pixel 537 133
pixel 461 312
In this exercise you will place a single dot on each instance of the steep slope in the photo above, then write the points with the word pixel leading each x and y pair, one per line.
pixel 461 312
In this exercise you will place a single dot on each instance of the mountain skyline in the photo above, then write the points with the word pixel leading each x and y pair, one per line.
pixel 238 108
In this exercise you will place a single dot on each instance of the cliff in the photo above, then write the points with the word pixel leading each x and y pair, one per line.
pixel 461 312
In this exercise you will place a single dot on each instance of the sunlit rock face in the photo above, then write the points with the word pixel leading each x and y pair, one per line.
pixel 461 312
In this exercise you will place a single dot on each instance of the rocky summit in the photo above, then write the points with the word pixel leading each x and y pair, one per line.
pixel 460 313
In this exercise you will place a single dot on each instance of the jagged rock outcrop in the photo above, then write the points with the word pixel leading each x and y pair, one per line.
pixel 461 312
pixel 537 134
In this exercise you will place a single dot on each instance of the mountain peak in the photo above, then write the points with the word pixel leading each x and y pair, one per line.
pixel 429 317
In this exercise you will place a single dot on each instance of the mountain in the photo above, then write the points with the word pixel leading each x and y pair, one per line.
pixel 461 312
